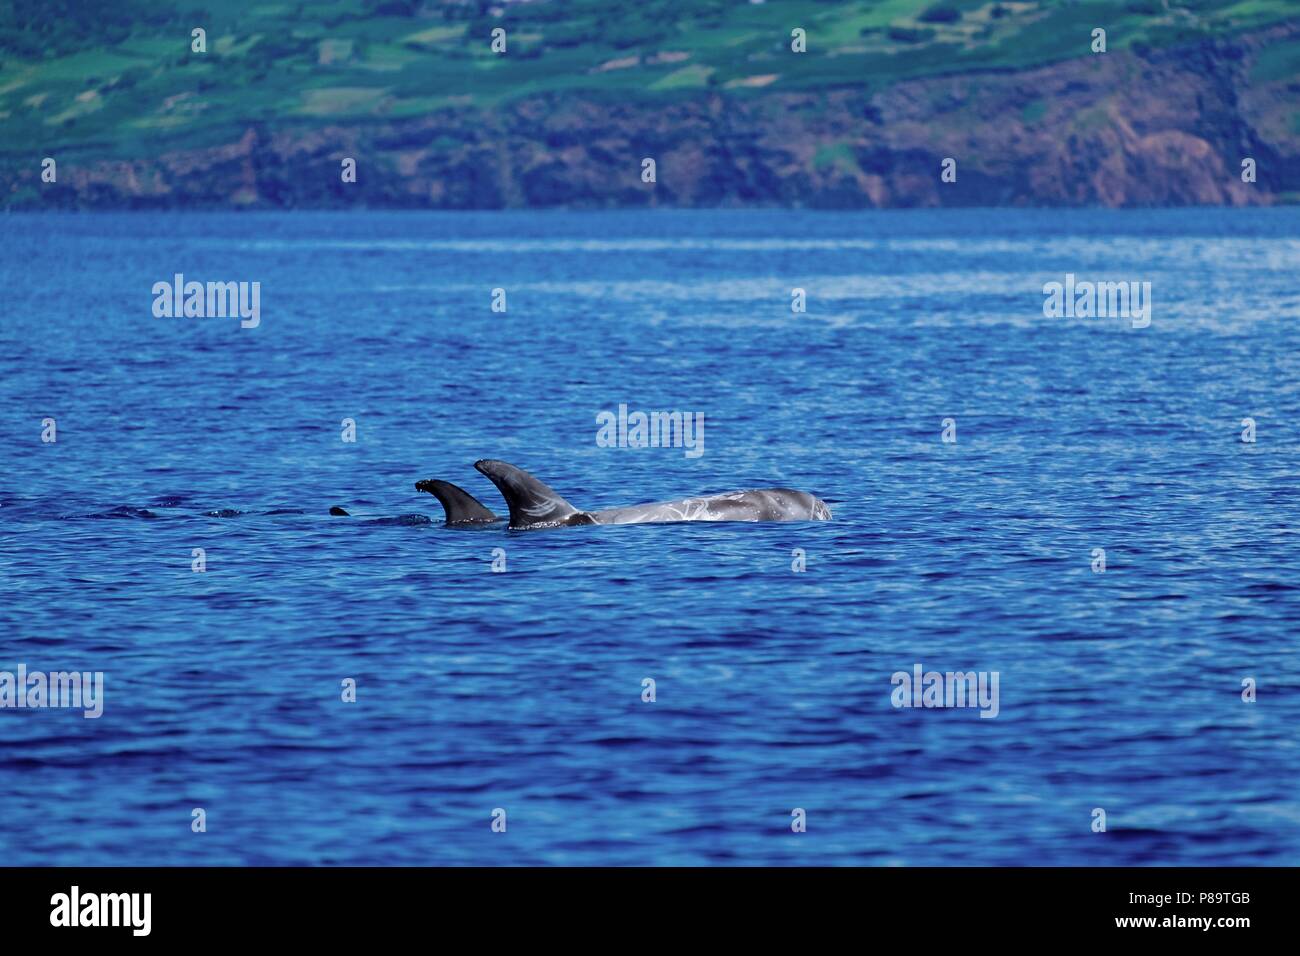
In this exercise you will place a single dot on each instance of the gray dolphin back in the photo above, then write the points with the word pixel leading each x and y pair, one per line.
pixel 460 506
pixel 762 504
pixel 533 504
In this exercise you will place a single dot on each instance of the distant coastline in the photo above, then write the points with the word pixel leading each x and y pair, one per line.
pixel 1135 127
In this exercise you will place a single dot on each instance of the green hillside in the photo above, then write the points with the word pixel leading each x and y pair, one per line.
pixel 120 80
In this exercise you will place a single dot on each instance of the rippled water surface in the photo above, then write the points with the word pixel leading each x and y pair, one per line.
pixel 523 690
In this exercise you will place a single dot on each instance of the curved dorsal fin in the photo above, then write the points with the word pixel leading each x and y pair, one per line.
pixel 461 507
pixel 531 502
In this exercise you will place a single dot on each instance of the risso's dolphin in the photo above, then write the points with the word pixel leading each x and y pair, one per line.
pixel 534 505
pixel 461 507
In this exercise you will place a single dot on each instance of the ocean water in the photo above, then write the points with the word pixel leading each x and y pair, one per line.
pixel 521 691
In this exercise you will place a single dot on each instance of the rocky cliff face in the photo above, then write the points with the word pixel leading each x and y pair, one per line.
pixel 1125 128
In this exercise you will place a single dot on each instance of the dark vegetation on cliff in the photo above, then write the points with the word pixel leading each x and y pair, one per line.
pixel 710 89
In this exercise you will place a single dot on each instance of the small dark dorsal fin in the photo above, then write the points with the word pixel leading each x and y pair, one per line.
pixel 531 502
pixel 461 507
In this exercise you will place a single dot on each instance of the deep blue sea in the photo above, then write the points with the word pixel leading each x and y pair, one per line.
pixel 521 691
